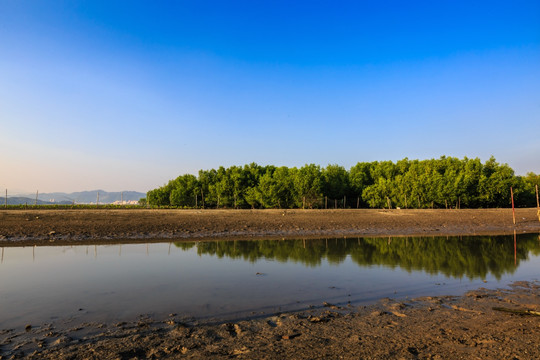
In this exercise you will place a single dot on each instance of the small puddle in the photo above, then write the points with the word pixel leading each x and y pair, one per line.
pixel 237 279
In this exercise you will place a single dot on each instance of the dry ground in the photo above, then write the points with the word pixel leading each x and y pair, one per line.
pixel 76 226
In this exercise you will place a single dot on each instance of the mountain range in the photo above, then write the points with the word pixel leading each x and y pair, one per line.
pixel 21 200
pixel 81 197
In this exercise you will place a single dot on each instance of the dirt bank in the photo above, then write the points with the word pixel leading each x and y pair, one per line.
pixel 77 226
pixel 479 325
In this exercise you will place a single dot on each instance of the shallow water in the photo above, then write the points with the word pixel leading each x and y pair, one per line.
pixel 235 279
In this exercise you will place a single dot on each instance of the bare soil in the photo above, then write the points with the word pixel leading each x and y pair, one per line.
pixel 95 226
pixel 478 325
pixel 469 327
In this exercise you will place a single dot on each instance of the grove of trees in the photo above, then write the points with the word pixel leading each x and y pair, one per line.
pixel 446 182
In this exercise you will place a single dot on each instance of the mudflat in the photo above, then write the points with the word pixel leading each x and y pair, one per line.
pixel 105 225
pixel 483 324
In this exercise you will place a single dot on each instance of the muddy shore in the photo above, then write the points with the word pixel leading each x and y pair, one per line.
pixel 483 324
pixel 35 227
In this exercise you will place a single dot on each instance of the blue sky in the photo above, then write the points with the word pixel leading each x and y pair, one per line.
pixel 125 95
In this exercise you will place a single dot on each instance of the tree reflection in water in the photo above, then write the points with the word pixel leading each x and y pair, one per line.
pixel 470 256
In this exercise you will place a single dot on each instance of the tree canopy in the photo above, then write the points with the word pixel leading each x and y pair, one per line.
pixel 446 182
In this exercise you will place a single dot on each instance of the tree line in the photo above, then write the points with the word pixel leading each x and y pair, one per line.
pixel 447 182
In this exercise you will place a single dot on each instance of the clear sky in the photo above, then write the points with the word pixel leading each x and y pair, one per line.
pixel 126 95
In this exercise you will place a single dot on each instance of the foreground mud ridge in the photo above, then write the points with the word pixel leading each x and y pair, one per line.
pixel 483 324
pixel 77 226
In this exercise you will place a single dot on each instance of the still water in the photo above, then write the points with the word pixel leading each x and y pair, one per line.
pixel 234 279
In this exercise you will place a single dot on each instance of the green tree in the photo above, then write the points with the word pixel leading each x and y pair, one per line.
pixel 442 182
pixel 160 196
pixel 495 183
pixel 359 179
pixel 254 197
pixel 284 186
pixel 308 185
pixel 186 188
pixel 526 189
pixel 206 180
pixel 335 182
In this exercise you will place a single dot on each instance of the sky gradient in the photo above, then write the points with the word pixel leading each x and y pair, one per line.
pixel 126 95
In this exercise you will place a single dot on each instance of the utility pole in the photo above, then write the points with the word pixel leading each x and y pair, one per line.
pixel 513 211
pixel 537 204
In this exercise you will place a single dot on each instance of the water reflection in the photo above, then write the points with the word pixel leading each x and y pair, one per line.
pixel 222 278
pixel 469 256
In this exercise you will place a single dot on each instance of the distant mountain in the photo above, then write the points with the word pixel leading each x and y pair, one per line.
pixel 86 197
pixel 20 200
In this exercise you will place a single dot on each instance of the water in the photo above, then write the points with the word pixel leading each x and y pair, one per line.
pixel 234 279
